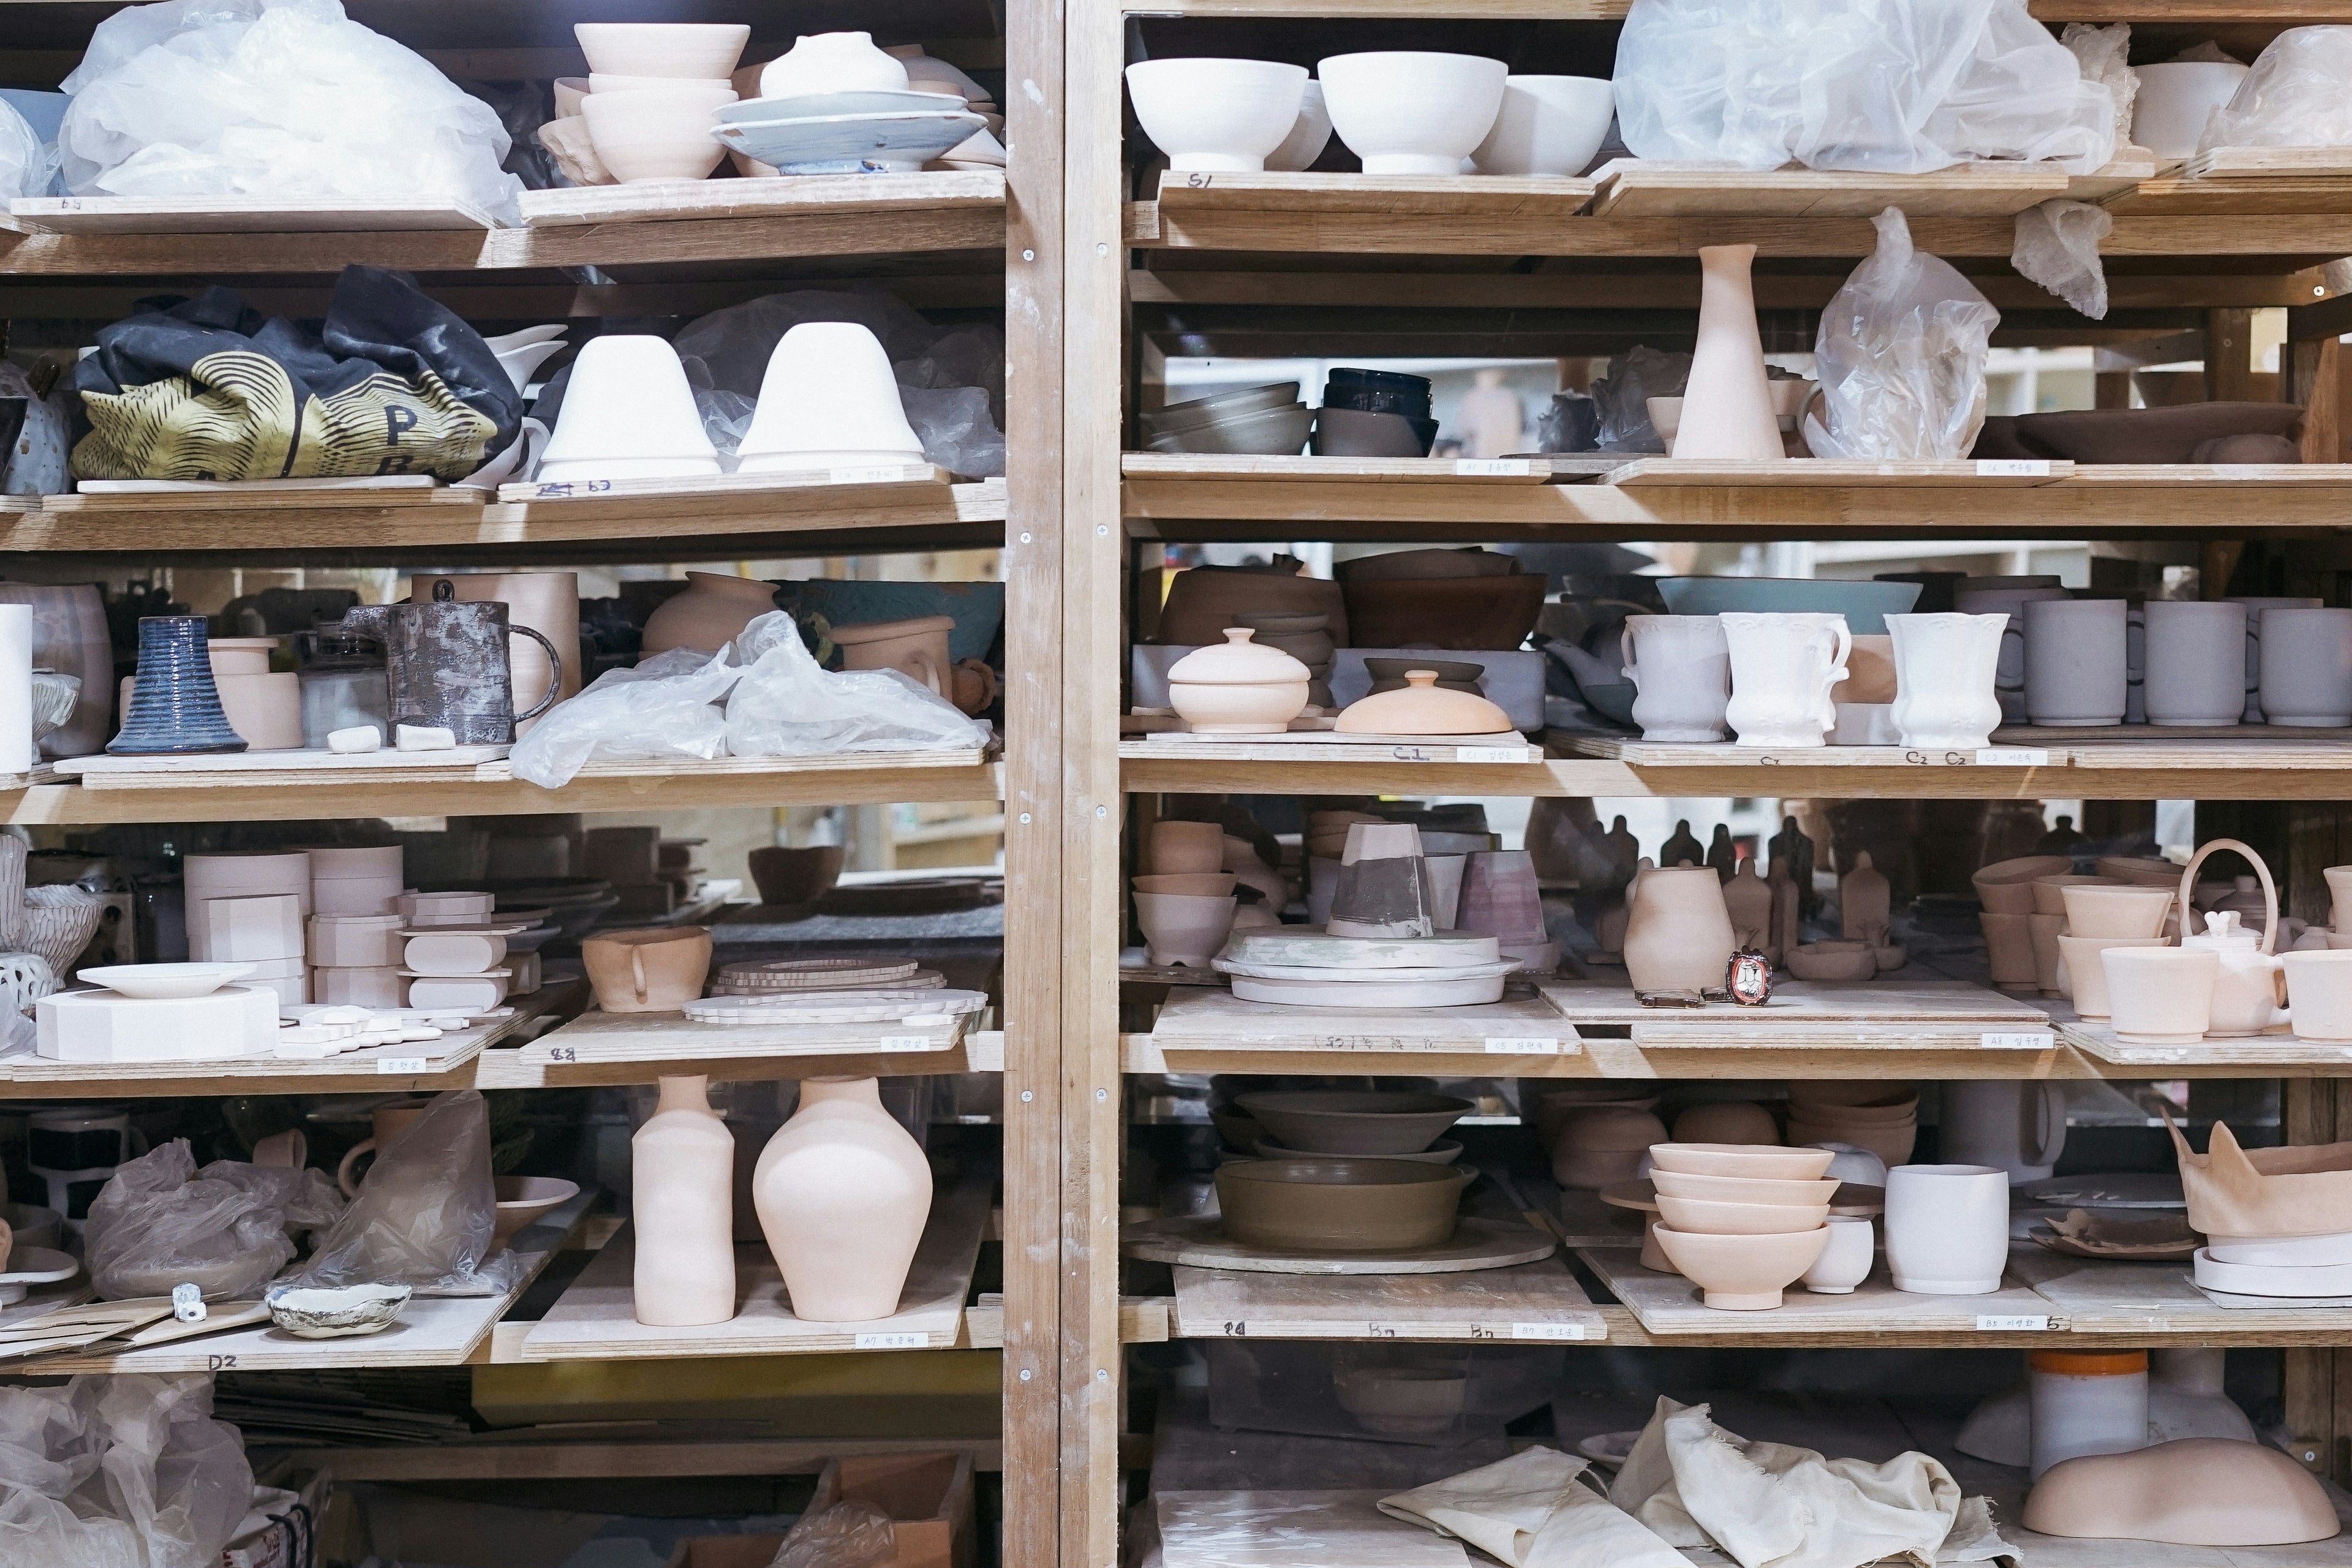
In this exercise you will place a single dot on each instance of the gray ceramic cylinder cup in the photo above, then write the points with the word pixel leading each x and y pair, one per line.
pixel 2306 667
pixel 2075 672
pixel 2195 663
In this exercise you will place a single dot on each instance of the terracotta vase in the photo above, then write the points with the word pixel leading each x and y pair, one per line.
pixel 1726 403
pixel 1237 688
pixel 842 1194
pixel 1678 936
pixel 714 608
pixel 916 648
pixel 682 1199
pixel 658 970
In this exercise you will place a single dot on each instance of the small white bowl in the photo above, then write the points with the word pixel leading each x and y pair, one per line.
pixel 1548 125
pixel 693 49
pixel 1307 138
pixel 1411 111
pixel 166 982
pixel 658 133
pixel 1217 115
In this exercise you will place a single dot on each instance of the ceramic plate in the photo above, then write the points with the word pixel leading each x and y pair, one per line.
pixel 828 105
pixel 31 1265
pixel 165 980
pixel 899 142
pixel 1364 976
pixel 2123 1190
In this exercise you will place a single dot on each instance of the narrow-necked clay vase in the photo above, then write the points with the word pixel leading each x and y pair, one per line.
pixel 656 970
pixel 2199 1491
pixel 715 608
pixel 1422 709
pixel 682 1199
pixel 842 1194
pixel 1238 688
pixel 1678 935
pixel 1726 403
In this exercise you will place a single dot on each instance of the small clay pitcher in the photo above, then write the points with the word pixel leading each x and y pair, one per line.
pixel 656 970
pixel 391 1122
pixel 447 665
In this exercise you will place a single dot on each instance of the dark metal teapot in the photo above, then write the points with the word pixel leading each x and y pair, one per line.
pixel 448 667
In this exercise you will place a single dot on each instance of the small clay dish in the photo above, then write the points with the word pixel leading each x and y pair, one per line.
pixel 1832 961
pixel 1339 1204
pixel 1195 884
pixel 1750 1160
pixel 1740 1189
pixel 333 1314
pixel 1353 1122
pixel 1445 1152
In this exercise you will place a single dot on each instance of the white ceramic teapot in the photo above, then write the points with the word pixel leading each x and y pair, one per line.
pixel 2249 992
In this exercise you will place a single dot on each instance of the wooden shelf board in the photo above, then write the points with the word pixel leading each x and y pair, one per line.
pixel 502 1457
pixel 2097 1039
pixel 1352 470
pixel 1818 473
pixel 594 1318
pixel 1644 187
pixel 780 197
pixel 2272 751
pixel 1314 749
pixel 1535 1302
pixel 2172 196
pixel 1277 198
pixel 2099 1296
pixel 229 215
pixel 2275 13
pixel 1888 1013
pixel 1202 1019
pixel 1668 1306
pixel 600 1047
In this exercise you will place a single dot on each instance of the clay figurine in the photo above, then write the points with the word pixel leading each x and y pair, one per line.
pixel 1722 854
pixel 1784 932
pixel 1864 908
pixel 1683 849
pixel 1747 898
pixel 1792 845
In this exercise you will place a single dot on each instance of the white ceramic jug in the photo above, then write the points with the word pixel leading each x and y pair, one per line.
pixel 1681 669
pixel 1944 669
pixel 1782 667
pixel 2249 991
pixel 2012 1126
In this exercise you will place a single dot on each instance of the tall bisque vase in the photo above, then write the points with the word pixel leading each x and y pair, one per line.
pixel 682 1177
pixel 842 1193
pixel 1727 402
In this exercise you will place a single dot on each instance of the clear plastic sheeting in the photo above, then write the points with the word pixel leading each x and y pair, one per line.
pixel 1891 87
pixel 2057 247
pixel 2296 97
pixel 1901 357
pixel 159 1222
pixel 1624 396
pixel 124 1470
pixel 850 1534
pixel 25 161
pixel 2104 55
pixel 787 706
pixel 662 708
pixel 425 1210
pixel 273 99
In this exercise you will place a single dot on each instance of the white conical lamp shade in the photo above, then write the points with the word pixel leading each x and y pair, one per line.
pixel 829 399
pixel 628 413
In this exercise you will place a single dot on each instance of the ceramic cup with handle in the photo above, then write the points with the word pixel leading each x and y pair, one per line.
pixel 2305 677
pixel 391 1122
pixel 1946 1228
pixel 1783 668
pixel 1681 669
pixel 2255 607
pixel 2073 657
pixel 2194 663
pixel 2016 1126
pixel 1945 668
pixel 2008 596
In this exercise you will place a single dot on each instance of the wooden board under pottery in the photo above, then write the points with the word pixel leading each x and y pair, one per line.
pixel 1308 947
pixel 1655 188
pixel 1669 1304
pixel 1202 1243
pixel 248 768
pixel 1333 746
pixel 600 1037
pixel 2108 1296
pixel 596 1318
pixel 1527 1302
pixel 812 195
pixel 893 477
pixel 1837 473
pixel 1204 1020
pixel 1852 1015
pixel 1851 1199
pixel 2096 1038
pixel 1288 1529
pixel 233 214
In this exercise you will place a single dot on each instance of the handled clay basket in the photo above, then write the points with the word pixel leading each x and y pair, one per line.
pixel 2270 890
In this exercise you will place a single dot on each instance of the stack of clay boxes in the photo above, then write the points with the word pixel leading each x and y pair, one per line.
pixel 251 909
pixel 629 859
pixel 452 951
pixel 354 928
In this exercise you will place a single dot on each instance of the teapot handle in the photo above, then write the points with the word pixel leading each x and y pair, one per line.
pixel 2270 889
pixel 555 681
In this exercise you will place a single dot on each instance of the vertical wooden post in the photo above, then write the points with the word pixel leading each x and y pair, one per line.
pixel 2312 1111
pixel 2228 355
pixel 2315 379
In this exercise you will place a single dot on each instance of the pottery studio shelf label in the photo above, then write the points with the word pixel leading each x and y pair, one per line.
pixel 1349 1328
pixel 894 1341
pixel 2019 1323
pixel 2016 1040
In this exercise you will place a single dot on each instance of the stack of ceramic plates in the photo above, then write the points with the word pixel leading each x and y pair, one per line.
pixel 1304 966
pixel 779 976
pixel 1261 421
pixel 812 1007
pixel 877 129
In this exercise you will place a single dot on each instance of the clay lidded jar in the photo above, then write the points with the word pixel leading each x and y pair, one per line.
pixel 709 614
pixel 656 970
pixel 1238 688
pixel 1678 936
pixel 842 1194
pixel 1422 709
pixel 682 1198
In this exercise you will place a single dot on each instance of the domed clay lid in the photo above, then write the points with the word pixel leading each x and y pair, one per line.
pixel 1422 709
pixel 1238 661
pixel 2224 929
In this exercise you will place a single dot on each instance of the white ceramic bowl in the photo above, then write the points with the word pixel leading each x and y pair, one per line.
pixel 1705 1218
pixel 658 133
pixel 1218 115
pixel 628 413
pixel 828 390
pixel 1749 1161
pixel 2175 100
pixel 1308 137
pixel 1548 125
pixel 166 982
pixel 1408 112
pixel 703 49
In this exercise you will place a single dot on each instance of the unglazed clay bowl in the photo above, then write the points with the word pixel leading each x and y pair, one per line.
pixel 1403 1401
pixel 1195 884
pixel 1238 708
pixel 1749 1161
pixel 1701 1217
pixel 1220 115
pixel 1411 112
pixel 1739 1123
pixel 1548 125
pixel 522 1199
pixel 659 134
pixel 692 49
pixel 1741 1273
pixel 2108 908
pixel 336 1314
pixel 1353 1122
pixel 1740 1189
pixel 1841 960
pixel 1340 1204
pixel 1445 1152
pixel 2005 887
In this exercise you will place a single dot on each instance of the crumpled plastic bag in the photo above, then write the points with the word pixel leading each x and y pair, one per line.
pixel 726 357
pixel 662 708
pixel 120 1470
pixel 1901 356
pixel 2105 56
pixel 1624 396
pixel 1894 87
pixel 786 706
pixel 2295 97
pixel 159 1220
pixel 425 1210
pixel 2057 246
pixel 273 98
pixel 850 1534
pixel 25 161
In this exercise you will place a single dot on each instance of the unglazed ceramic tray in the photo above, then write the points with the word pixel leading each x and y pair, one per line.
pixel 817 975
pixel 1434 975
pixel 1202 1243
pixel 835 1007
pixel 1328 991
pixel 1311 947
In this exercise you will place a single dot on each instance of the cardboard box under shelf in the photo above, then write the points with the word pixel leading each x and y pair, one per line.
pixel 937 1395
pixel 927 1496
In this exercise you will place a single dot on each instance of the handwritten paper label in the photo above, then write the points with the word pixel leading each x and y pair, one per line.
pixel 1547 1330
pixel 2016 1040
pixel 398 1066
pixel 1493 468
pixel 1490 754
pixel 862 476
pixel 2012 757
pixel 907 1043
pixel 1991 1323
pixel 1532 1046
pixel 2012 468
pixel 898 1342
pixel 1262 1329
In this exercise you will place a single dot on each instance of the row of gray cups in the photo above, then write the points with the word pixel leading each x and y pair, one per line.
pixel 2182 664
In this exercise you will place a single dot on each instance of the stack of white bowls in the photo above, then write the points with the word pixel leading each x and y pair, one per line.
pixel 644 113
pixel 1741 1221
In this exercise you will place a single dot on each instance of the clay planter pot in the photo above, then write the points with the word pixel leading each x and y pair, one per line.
pixel 2319 989
pixel 1339 1204
pixel 2108 908
pixel 1179 847
pixel 1472 614
pixel 2005 887
pixel 1946 1228
pixel 1412 113
pixel 656 133
pixel 1700 1216
pixel 688 50
pixel 917 649
pixel 1238 688
pixel 710 614
pixel 1742 1273
pixel 522 1199
pixel 2009 948
pixel 787 876
pixel 1183 929
pixel 2161 995
pixel 1748 1162
pixel 1223 115
pixel 658 970
pixel 1354 1121
pixel 1195 884
pixel 1743 1189
pixel 1845 1261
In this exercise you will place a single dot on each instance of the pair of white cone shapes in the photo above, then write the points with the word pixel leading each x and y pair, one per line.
pixel 828 400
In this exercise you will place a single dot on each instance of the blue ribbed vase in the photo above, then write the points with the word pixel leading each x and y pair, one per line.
pixel 175 707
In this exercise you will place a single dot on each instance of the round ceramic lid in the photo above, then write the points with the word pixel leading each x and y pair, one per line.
pixel 1423 708
pixel 1238 661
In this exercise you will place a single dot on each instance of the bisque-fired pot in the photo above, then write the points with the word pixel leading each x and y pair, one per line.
pixel 658 970
pixel 1678 936
pixel 842 1193
pixel 682 1196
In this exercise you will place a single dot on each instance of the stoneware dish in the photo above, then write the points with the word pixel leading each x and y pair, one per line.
pixel 1746 1161
pixel 898 141
pixel 1411 112
pixel 166 982
pixel 656 133
pixel 1701 1215
pixel 1220 115
pixel 522 1199
pixel 1741 1273
pixel 335 1314
pixel 1340 1204
pixel 1741 1189
pixel 1353 1122
pixel 1445 1152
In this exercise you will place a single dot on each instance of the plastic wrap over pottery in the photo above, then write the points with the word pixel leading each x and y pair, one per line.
pixel 2295 97
pixel 1901 354
pixel 120 1470
pixel 785 706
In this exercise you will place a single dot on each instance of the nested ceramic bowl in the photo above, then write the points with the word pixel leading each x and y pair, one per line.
pixel 1352 433
pixel 1326 1205
pixel 706 50
pixel 1409 111
pixel 661 133
pixel 2005 887
pixel 1307 138
pixel 1741 1122
pixel 1263 433
pixel 1403 1401
pixel 1889 1145
pixel 1749 1161
pixel 1353 1122
pixel 1705 1217
pixel 1836 960
pixel 1223 406
pixel 1445 1152
pixel 1742 1189
pixel 1553 1107
pixel 1859 1094
pixel 1548 125
pixel 1741 1273
pixel 1222 115
pixel 2112 908
pixel 522 1199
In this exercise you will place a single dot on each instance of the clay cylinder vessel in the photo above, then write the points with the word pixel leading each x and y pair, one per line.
pixel 842 1194
pixel 1678 936
pixel 681 1175
pixel 1727 405
pixel 658 970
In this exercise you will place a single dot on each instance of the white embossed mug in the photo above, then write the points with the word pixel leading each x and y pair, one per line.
pixel 1681 669
pixel 1782 667
pixel 1945 667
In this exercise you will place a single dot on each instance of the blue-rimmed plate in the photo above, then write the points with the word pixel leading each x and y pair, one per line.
pixel 896 142
pixel 827 105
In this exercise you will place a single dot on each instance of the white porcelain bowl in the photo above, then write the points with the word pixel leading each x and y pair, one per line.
pixel 1217 115
pixel 1548 125
pixel 658 133
pixel 2174 100
pixel 704 50
pixel 628 413
pixel 1308 136
pixel 1411 112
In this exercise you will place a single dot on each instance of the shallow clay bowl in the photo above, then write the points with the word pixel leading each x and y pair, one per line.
pixel 1856 1115
pixel 1445 1152
pixel 1854 1096
pixel 1753 1161
pixel 1338 1204
pixel 1402 1401
pixel 1832 961
pixel 522 1199
pixel 1740 1189
pixel 1239 1132
pixel 1701 1217
pixel 1353 1122
pixel 1857 1199
pixel 1741 1273
pixel 1197 884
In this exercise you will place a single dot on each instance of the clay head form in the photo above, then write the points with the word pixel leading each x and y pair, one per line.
pixel 1381 891
pixel 2199 1491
